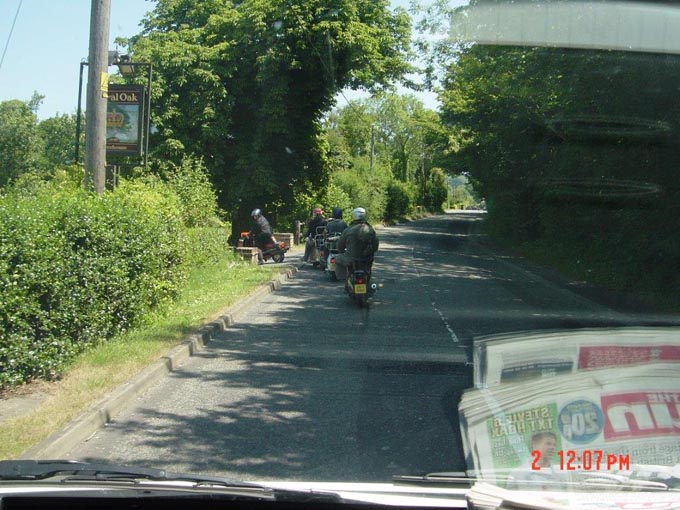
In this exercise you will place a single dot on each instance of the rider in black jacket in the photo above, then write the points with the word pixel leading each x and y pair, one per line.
pixel 261 233
pixel 358 242
pixel 317 221
pixel 336 225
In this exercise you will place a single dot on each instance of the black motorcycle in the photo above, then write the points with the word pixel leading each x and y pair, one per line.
pixel 358 285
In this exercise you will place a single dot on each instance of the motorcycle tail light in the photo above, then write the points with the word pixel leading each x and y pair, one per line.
pixel 332 260
pixel 360 280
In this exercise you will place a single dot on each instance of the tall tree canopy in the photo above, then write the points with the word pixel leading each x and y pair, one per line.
pixel 19 143
pixel 245 85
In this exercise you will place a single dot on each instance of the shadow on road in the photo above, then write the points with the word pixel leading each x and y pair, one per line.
pixel 309 387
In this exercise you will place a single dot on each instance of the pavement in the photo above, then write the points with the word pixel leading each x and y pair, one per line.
pixel 106 409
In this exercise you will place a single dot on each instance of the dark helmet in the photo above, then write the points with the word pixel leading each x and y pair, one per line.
pixel 256 213
pixel 337 213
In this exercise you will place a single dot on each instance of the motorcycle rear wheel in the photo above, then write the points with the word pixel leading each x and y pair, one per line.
pixel 278 257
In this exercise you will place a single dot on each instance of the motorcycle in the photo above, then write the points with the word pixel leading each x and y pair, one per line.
pixel 358 284
pixel 331 251
pixel 319 242
pixel 316 242
pixel 270 250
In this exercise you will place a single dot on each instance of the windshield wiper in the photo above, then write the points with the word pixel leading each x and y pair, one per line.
pixel 589 480
pixel 75 471
pixel 453 479
pixel 46 469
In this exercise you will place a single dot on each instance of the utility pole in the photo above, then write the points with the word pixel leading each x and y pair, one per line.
pixel 370 166
pixel 97 87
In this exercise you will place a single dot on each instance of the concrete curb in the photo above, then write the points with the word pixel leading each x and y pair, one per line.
pixel 59 443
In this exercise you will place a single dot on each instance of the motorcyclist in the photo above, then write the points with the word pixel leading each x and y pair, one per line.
pixel 334 227
pixel 358 243
pixel 317 220
pixel 261 233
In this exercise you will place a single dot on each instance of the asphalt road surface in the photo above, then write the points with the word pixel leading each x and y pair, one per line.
pixel 310 387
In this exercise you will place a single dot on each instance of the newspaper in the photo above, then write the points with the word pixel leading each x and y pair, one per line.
pixel 603 420
pixel 534 355
pixel 484 496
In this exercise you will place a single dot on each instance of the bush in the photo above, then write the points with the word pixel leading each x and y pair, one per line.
pixel 436 191
pixel 400 200
pixel 365 189
pixel 336 197
pixel 75 269
pixel 207 245
pixel 191 182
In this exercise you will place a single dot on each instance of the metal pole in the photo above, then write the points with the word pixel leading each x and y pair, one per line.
pixel 80 95
pixel 148 118
pixel 97 81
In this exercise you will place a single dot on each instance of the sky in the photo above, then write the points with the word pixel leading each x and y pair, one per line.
pixel 51 38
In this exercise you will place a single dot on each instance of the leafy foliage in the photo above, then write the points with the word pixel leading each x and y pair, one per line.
pixel 407 140
pixel 76 269
pixel 19 143
pixel 400 200
pixel 245 87
pixel 191 183
pixel 58 134
pixel 550 137
pixel 436 191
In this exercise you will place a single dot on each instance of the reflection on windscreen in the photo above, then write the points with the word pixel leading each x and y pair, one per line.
pixel 576 153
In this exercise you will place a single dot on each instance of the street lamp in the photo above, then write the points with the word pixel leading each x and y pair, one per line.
pixel 125 67
pixel 83 63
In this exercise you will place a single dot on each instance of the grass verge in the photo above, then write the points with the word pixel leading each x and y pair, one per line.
pixel 208 291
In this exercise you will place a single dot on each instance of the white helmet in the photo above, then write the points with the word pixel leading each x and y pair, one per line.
pixel 359 213
pixel 256 213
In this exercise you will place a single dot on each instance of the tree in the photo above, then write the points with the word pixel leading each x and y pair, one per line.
pixel 58 135
pixel 436 191
pixel 245 85
pixel 19 143
pixel 409 140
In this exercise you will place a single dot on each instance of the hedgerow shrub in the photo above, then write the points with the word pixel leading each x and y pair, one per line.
pixel 436 191
pixel 75 269
pixel 400 200
pixel 191 182
pixel 365 189
pixel 205 245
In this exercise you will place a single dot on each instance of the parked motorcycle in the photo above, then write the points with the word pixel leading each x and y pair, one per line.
pixel 358 284
pixel 271 250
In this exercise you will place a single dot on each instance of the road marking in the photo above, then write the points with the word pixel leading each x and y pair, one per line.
pixel 453 335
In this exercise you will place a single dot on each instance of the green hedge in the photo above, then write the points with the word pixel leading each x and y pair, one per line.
pixel 400 200
pixel 76 269
pixel 206 245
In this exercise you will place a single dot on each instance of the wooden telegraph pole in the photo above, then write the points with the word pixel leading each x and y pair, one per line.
pixel 97 87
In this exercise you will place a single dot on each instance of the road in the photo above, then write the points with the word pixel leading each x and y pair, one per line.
pixel 310 387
